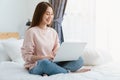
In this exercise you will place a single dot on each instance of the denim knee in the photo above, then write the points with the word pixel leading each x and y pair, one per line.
pixel 81 61
pixel 44 62
pixel 78 64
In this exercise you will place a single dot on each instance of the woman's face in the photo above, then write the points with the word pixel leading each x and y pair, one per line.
pixel 48 16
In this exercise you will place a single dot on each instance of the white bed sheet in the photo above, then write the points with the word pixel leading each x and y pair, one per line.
pixel 15 71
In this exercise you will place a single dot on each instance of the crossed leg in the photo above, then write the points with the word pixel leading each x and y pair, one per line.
pixel 74 66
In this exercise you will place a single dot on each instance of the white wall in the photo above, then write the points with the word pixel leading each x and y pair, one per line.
pixel 108 26
pixel 79 22
pixel 13 15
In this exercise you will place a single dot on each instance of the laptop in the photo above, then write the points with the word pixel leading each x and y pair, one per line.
pixel 69 51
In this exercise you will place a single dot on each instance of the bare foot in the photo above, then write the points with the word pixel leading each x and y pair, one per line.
pixel 82 70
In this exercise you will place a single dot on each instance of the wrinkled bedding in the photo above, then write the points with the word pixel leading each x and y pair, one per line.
pixel 15 71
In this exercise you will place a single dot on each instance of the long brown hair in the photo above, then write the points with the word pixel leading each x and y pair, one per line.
pixel 39 12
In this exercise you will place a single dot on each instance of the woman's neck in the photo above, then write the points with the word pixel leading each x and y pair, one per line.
pixel 42 26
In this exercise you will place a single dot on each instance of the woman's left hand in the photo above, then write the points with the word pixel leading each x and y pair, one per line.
pixel 50 57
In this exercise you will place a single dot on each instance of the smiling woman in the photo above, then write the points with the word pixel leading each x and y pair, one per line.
pixel 35 47
pixel 41 43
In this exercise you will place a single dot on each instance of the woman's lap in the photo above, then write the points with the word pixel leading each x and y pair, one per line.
pixel 46 66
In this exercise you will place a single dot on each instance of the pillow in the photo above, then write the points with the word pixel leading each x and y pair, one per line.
pixel 3 54
pixel 13 49
pixel 95 57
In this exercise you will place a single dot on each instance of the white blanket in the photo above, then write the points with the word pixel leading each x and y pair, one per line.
pixel 15 71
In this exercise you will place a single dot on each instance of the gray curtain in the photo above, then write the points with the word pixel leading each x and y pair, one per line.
pixel 59 9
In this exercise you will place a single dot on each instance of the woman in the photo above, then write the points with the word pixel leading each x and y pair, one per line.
pixel 41 43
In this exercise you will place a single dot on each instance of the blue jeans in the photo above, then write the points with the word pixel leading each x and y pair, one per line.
pixel 48 67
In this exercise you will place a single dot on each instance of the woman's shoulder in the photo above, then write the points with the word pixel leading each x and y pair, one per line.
pixel 52 29
pixel 31 30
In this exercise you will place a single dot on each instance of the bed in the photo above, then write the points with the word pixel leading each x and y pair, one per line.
pixel 11 64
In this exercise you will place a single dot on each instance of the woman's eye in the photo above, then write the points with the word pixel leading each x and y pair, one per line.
pixel 47 14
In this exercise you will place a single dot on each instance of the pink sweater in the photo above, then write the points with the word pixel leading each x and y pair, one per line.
pixel 39 42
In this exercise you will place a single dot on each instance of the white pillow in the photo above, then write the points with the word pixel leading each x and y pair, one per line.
pixel 3 54
pixel 95 57
pixel 13 49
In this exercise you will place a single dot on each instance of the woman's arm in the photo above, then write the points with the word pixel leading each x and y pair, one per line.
pixel 56 45
pixel 28 46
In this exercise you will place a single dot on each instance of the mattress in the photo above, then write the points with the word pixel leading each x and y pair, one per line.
pixel 15 71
